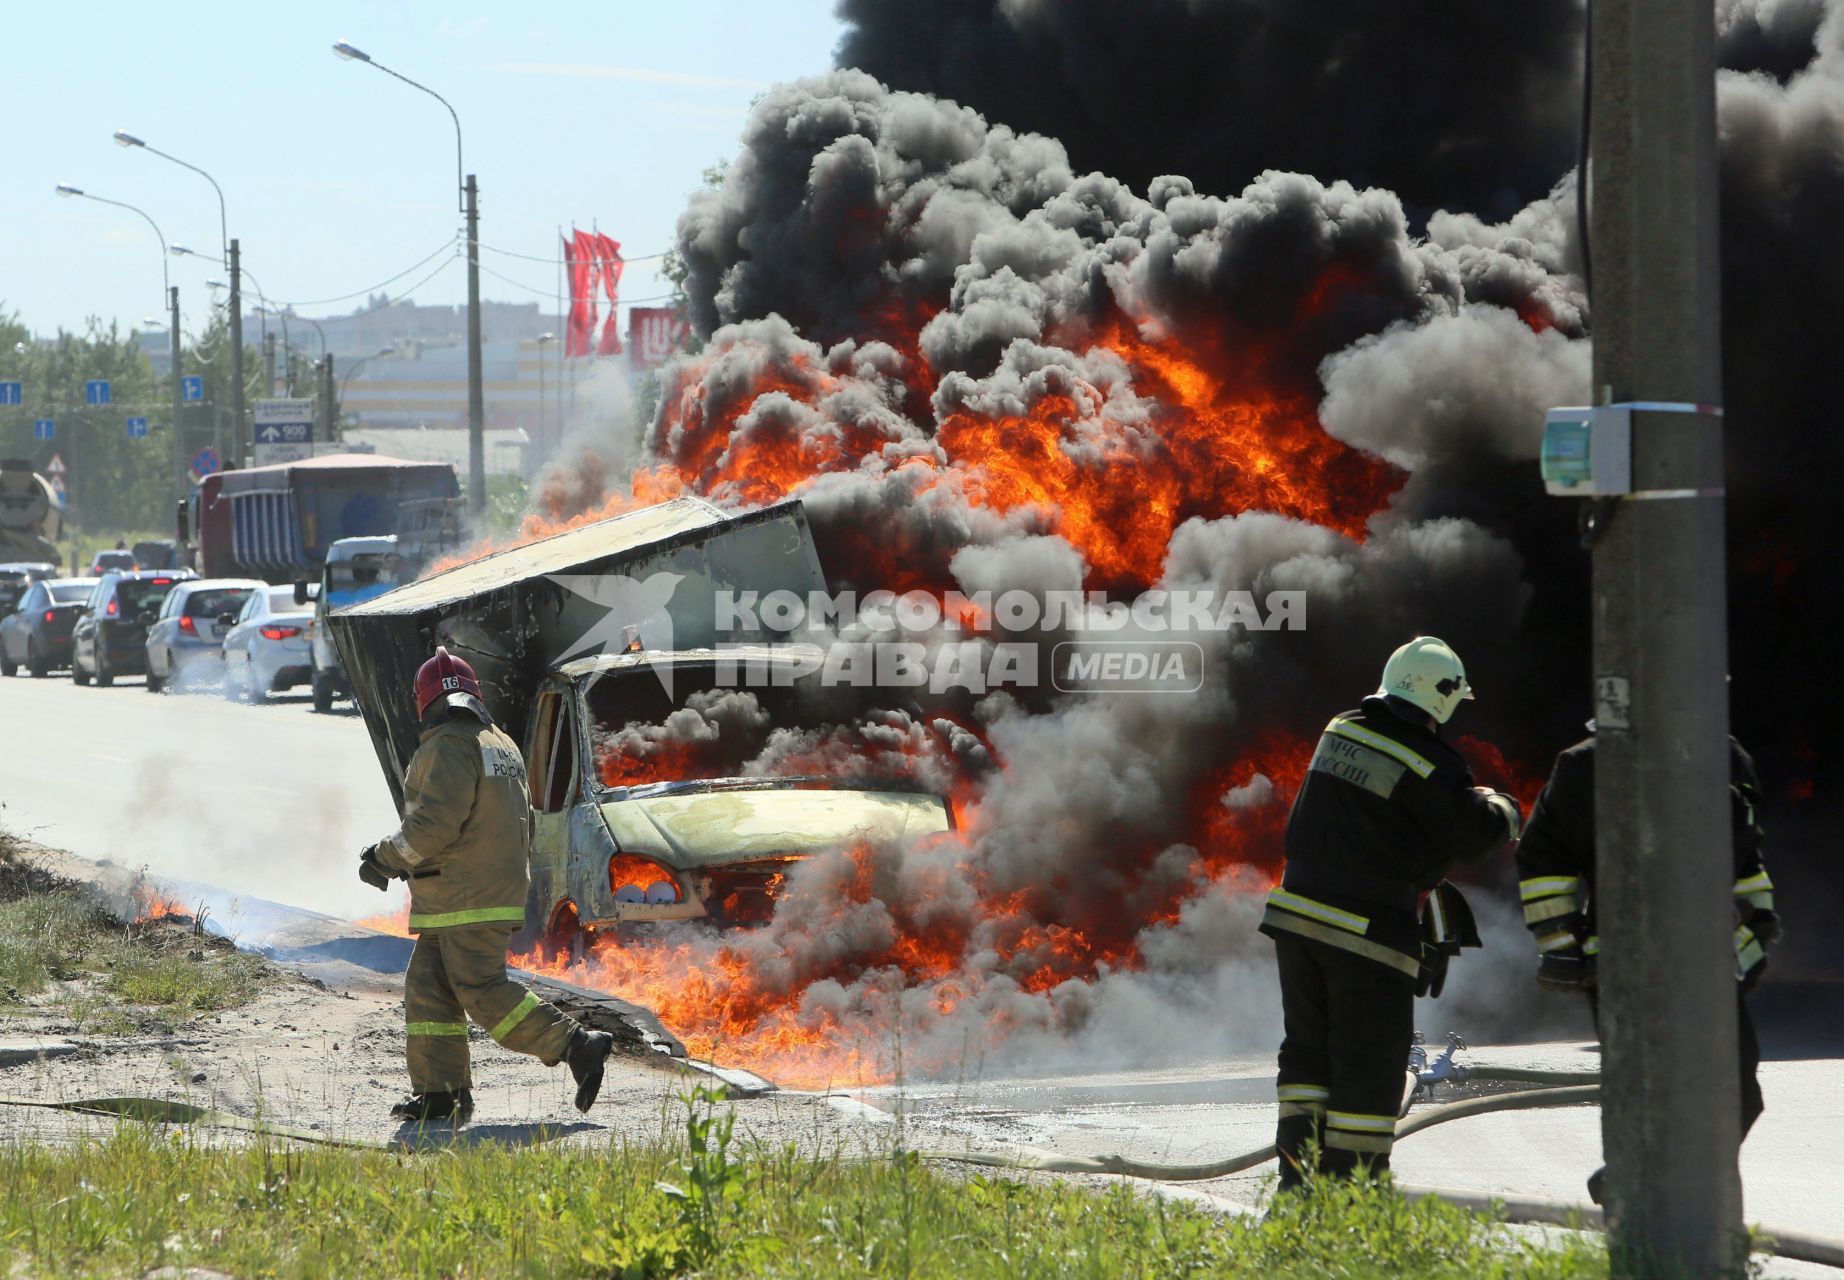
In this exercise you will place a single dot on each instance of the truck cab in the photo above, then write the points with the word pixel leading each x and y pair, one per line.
pixel 630 825
pixel 356 569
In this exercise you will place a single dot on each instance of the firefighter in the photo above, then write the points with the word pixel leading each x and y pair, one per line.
pixel 1555 866
pixel 1385 810
pixel 462 847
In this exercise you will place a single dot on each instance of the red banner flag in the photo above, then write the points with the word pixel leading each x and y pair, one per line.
pixel 608 252
pixel 654 334
pixel 580 257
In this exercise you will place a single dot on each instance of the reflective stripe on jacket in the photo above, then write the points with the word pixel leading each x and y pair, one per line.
pixel 466 827
pixel 1386 809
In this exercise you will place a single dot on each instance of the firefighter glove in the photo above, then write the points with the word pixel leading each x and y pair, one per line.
pixel 1507 808
pixel 373 872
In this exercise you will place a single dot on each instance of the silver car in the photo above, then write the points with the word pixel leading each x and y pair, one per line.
pixel 185 642
pixel 266 651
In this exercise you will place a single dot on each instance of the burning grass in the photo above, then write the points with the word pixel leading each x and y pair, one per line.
pixel 689 1204
pixel 67 956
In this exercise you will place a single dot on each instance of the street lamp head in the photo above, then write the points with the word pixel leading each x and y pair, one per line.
pixel 123 138
pixel 178 250
pixel 351 53
pixel 546 337
pixel 216 284
pixel 65 189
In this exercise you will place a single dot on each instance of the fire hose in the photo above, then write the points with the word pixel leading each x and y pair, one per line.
pixel 1563 1089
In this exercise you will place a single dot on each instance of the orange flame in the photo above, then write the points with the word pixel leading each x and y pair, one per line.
pixel 150 904
pixel 1153 428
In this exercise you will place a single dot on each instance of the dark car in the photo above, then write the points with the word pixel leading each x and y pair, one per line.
pixel 110 639
pixel 107 561
pixel 16 576
pixel 36 635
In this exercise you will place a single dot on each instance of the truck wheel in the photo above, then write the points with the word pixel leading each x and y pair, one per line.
pixel 104 676
pixel 35 664
pixel 323 694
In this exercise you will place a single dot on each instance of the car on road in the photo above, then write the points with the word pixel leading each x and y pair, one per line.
pixel 356 569
pixel 16 576
pixel 117 561
pixel 620 837
pixel 110 638
pixel 185 643
pixel 265 650
pixel 36 635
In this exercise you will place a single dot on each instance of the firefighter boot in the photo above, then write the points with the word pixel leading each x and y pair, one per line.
pixel 422 1108
pixel 587 1052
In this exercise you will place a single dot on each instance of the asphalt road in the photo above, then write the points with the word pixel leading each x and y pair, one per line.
pixel 270 800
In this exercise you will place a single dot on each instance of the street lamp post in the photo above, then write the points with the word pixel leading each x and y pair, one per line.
pixel 544 340
pixel 172 300
pixel 227 247
pixel 470 208
pixel 339 409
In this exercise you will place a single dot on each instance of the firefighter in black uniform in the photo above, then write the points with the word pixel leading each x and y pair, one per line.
pixel 1555 867
pixel 1385 810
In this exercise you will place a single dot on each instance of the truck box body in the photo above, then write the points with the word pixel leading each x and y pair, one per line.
pixel 276 522
pixel 518 614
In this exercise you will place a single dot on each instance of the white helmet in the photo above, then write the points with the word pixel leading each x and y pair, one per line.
pixel 1428 674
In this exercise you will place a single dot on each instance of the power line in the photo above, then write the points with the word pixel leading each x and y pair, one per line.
pixel 360 293
pixel 552 261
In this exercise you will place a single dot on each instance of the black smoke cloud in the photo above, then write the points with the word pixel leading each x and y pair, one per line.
pixel 1441 103
pixel 878 264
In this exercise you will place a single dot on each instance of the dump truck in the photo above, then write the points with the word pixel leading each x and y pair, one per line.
pixel 276 523
pixel 589 634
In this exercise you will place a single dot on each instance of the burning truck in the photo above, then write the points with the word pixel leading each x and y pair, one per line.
pixel 585 641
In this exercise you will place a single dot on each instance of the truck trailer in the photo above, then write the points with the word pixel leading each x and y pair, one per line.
pixel 276 523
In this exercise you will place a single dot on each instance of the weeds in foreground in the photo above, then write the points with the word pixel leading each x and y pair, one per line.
pixel 138 1200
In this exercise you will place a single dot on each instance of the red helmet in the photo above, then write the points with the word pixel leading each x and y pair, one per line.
pixel 442 676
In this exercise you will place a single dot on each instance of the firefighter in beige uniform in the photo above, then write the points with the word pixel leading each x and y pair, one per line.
pixel 462 847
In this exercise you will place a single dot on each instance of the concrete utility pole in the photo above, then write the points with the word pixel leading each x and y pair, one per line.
pixel 476 395
pixel 1667 969
pixel 179 397
pixel 238 430
pixel 269 360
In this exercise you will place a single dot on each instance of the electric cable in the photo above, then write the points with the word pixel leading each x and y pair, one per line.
pixel 532 257
pixel 360 293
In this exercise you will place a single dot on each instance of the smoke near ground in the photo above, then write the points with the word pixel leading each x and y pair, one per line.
pixel 987 358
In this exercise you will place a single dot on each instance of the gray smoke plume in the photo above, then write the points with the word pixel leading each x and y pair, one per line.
pixel 984 368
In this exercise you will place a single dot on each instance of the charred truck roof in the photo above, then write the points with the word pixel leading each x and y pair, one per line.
pixel 654 574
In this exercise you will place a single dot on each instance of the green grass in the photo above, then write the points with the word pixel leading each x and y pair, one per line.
pixel 140 1199
pixel 124 978
pixel 43 937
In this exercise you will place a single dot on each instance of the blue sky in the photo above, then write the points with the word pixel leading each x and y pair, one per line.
pixel 335 175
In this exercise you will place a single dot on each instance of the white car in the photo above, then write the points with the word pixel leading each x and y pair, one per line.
pixel 266 649
pixel 185 643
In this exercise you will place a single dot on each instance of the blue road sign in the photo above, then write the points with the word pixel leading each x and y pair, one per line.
pixel 206 462
pixel 45 429
pixel 192 387
pixel 12 392
pixel 96 391
pixel 137 427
